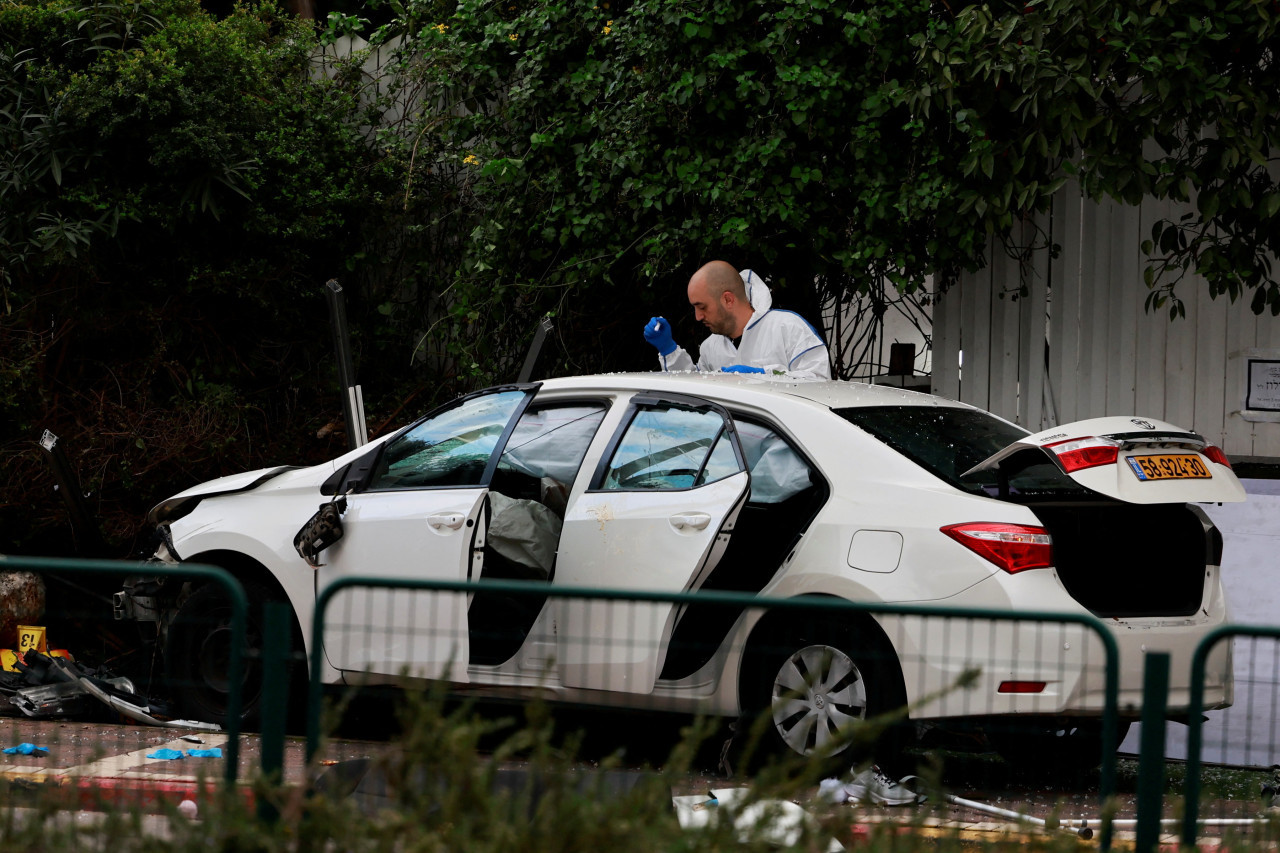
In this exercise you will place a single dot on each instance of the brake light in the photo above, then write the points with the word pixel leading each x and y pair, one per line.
pixel 1012 547
pixel 1076 454
pixel 1022 686
pixel 1215 454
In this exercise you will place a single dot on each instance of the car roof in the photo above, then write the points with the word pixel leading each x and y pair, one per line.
pixel 835 394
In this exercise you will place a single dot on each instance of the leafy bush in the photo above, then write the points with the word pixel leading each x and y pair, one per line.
pixel 177 190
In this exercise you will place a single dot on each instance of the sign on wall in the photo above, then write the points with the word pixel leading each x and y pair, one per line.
pixel 1261 379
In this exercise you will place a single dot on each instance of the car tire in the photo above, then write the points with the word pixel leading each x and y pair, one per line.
pixel 806 682
pixel 198 649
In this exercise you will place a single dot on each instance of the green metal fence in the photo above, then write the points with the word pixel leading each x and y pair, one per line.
pixel 360 622
pixel 64 747
pixel 1248 742
pixel 351 611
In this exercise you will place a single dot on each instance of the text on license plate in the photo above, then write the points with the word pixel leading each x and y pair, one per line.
pixel 1169 466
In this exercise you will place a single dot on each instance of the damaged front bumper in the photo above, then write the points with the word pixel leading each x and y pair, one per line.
pixel 142 599
pixel 146 597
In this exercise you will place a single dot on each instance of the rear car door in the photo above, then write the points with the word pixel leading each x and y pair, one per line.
pixel 657 514
pixel 417 513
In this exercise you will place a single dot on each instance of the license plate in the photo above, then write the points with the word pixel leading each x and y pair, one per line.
pixel 1169 466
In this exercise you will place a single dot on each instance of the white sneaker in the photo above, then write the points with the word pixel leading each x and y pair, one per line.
pixel 872 785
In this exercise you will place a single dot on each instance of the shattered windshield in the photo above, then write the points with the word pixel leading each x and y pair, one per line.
pixel 946 442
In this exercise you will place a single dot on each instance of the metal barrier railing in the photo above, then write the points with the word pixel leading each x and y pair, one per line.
pixel 1245 743
pixel 233 598
pixel 941 628
pixel 1005 639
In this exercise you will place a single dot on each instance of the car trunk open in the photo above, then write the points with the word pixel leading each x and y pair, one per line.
pixel 1127 539
pixel 1123 560
pixel 1128 543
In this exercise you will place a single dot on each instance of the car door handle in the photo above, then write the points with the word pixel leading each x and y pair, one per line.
pixel 451 520
pixel 696 520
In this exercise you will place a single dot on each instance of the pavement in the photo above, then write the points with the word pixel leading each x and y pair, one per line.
pixel 103 765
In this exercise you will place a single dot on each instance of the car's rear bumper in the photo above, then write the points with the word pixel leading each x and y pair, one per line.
pixel 966 667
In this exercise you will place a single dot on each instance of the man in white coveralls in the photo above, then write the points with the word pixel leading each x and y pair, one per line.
pixel 748 335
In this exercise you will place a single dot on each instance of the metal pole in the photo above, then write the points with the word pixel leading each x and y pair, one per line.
pixel 1081 828
pixel 1151 764
pixel 352 400
pixel 539 335
pixel 276 651
pixel 88 538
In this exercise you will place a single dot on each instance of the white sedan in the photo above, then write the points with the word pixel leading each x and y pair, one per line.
pixel 687 482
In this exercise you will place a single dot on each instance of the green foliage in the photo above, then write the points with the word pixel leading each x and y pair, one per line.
pixel 1138 101
pixel 176 190
pixel 590 156
pixel 601 153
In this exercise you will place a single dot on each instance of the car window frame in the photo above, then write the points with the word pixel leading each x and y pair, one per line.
pixel 357 476
pixel 649 400
pixel 556 402
pixel 816 474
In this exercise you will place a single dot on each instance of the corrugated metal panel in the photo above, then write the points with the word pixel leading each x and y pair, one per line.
pixel 1242 331
pixel 1266 436
pixel 1032 332
pixel 946 344
pixel 975 339
pixel 1209 406
pixel 1125 295
pixel 1151 334
pixel 1064 283
pixel 1005 313
pixel 1106 354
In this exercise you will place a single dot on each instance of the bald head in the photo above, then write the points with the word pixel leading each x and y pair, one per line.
pixel 719 299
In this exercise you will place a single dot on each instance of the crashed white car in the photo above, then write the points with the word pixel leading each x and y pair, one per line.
pixel 686 482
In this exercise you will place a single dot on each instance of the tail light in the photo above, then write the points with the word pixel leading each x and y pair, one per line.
pixel 1076 454
pixel 1215 454
pixel 1012 547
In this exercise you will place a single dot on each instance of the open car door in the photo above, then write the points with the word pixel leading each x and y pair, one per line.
pixel 1136 460
pixel 656 516
pixel 417 512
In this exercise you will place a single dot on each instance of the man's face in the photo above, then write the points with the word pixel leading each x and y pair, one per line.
pixel 712 313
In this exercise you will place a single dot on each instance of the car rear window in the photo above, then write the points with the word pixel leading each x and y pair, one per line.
pixel 947 442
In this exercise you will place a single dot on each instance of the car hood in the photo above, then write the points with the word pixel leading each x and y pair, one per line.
pixel 183 502
pixel 1190 474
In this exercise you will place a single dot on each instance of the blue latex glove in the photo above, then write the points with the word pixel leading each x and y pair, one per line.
pixel 658 333
pixel 216 752
pixel 742 368
pixel 165 754
pixel 27 749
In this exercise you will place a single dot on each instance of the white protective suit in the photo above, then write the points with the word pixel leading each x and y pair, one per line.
pixel 776 340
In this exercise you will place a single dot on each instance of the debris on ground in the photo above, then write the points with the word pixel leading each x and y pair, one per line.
pixel 45 686
pixel 779 822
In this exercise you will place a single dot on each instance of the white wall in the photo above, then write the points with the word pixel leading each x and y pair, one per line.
pixel 1080 345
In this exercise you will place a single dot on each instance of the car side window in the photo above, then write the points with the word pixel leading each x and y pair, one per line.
pixel 451 449
pixel 777 471
pixel 671 448
pixel 546 449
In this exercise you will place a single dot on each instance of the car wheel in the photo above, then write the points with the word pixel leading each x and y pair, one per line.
pixel 1038 748
pixel 812 688
pixel 198 654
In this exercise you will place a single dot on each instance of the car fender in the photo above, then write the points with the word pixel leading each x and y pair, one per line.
pixel 199 534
